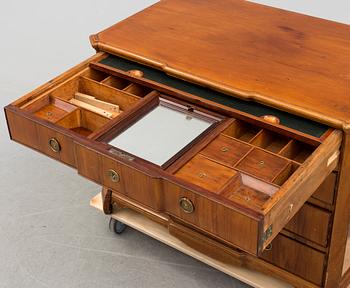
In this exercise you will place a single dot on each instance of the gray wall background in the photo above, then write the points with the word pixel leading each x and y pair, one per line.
pixel 49 236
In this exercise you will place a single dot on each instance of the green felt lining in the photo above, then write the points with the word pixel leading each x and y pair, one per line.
pixel 289 120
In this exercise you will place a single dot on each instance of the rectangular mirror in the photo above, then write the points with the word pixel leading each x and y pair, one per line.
pixel 163 132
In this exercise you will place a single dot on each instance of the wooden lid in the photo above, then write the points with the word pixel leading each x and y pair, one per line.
pixel 287 60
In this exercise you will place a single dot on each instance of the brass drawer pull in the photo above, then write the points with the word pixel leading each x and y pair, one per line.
pixel 268 247
pixel 54 145
pixel 186 205
pixel 113 175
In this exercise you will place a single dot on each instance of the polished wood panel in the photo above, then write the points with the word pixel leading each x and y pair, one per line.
pixel 296 258
pixel 254 51
pixel 311 223
pixel 326 191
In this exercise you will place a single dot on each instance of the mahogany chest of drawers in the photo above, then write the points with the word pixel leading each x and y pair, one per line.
pixel 223 119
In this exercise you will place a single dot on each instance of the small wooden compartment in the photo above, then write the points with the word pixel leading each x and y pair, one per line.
pixel 137 89
pixel 50 108
pixel 83 122
pixel 116 82
pixel 206 174
pixel 297 151
pixel 98 89
pixel 263 165
pixel 270 141
pixel 226 150
pixel 242 131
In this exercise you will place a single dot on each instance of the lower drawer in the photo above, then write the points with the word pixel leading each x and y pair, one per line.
pixel 311 223
pixel 296 258
pixel 325 192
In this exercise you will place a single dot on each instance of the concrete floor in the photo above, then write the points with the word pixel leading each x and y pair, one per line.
pixel 49 236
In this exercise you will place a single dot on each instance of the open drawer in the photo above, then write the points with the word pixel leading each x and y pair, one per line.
pixel 230 179
pixel 75 105
pixel 231 175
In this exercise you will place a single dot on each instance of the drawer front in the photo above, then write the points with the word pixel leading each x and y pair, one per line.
pixel 325 192
pixel 214 218
pixel 115 175
pixel 296 258
pixel 311 223
pixel 21 129
pixel 45 139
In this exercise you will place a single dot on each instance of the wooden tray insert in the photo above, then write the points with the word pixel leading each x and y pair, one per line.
pixel 245 164
pixel 87 101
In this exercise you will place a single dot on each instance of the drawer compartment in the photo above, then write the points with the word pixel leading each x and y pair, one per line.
pixel 263 165
pixel 206 174
pixel 296 258
pixel 311 223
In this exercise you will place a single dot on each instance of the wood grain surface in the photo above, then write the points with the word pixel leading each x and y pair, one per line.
pixel 291 61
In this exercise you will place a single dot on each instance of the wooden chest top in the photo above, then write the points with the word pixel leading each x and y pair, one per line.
pixel 290 61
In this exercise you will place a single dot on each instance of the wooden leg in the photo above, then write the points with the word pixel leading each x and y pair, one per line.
pixel 107 201
pixel 341 219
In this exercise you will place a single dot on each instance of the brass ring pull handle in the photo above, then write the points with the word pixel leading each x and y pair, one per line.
pixel 113 175
pixel 54 145
pixel 186 205
pixel 271 119
pixel 136 73
pixel 268 247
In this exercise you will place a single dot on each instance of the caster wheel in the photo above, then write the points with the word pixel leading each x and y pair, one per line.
pixel 116 226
